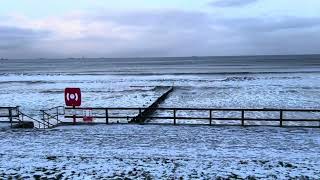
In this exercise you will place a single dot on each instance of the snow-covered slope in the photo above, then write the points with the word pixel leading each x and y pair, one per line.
pixel 167 152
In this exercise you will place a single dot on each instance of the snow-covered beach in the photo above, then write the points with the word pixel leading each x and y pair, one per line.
pixel 161 152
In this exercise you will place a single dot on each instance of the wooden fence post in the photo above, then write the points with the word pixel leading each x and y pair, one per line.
pixel 140 115
pixel 174 117
pixel 43 120
pixel 281 118
pixel 242 117
pixel 74 116
pixel 57 115
pixel 210 111
pixel 48 121
pixel 10 116
pixel 107 116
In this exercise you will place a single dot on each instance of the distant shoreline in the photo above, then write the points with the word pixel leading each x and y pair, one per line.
pixel 168 57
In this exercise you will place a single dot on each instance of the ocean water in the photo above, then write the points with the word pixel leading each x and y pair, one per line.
pixel 217 82
pixel 165 66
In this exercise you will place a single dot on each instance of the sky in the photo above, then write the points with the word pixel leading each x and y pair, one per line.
pixel 157 28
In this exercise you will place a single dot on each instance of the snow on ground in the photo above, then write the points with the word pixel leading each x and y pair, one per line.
pixel 166 152
pixel 4 126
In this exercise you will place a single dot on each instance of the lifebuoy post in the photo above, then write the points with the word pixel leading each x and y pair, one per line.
pixel 74 116
pixel 72 97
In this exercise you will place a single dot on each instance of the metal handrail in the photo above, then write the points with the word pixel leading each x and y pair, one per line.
pixel 51 117
pixel 45 113
pixel 52 108
pixel 9 107
pixel 33 119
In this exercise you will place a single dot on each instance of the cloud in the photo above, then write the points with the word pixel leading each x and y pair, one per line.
pixel 231 3
pixel 157 33
pixel 270 24
pixel 15 37
pixel 172 18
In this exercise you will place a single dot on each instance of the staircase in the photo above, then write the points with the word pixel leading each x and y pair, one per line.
pixel 18 119
pixel 51 117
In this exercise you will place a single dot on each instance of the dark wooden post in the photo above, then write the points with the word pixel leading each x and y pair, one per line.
pixel 107 116
pixel 10 116
pixel 140 115
pixel 281 118
pixel 57 115
pixel 48 121
pixel 43 120
pixel 74 116
pixel 174 117
pixel 18 112
pixel 210 116
pixel 242 117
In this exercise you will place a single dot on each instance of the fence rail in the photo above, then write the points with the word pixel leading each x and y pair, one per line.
pixel 242 115
pixel 210 116
pixel 16 118
pixel 11 113
pixel 195 109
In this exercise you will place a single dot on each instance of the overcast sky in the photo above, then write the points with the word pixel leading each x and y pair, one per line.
pixel 143 28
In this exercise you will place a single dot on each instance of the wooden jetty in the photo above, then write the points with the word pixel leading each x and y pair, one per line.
pixel 147 112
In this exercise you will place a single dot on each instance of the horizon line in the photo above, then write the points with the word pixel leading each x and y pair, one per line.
pixel 144 57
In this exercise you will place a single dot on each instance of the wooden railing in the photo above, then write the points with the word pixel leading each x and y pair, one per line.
pixel 15 116
pixel 210 116
pixel 242 116
pixel 49 117
pixel 9 113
